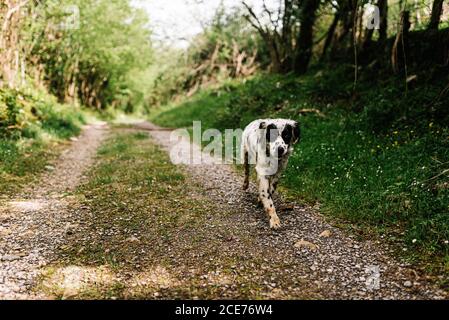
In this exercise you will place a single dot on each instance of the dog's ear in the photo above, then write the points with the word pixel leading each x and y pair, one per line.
pixel 296 132
pixel 287 133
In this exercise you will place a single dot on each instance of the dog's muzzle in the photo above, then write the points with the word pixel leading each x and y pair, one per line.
pixel 280 152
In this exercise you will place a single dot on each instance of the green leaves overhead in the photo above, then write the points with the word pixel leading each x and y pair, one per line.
pixel 89 48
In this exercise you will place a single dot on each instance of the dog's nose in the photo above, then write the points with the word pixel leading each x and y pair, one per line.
pixel 281 151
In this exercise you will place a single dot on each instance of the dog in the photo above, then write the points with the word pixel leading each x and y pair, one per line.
pixel 267 144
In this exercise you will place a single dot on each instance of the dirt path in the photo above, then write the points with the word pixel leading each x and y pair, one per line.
pixel 334 265
pixel 33 224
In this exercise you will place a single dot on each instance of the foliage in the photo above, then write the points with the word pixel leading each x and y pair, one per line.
pixel 31 124
pixel 25 113
pixel 95 60
pixel 228 48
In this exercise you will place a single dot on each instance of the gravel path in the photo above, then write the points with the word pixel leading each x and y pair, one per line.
pixel 327 261
pixel 34 224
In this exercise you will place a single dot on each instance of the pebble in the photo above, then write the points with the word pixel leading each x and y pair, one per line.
pixel 9 257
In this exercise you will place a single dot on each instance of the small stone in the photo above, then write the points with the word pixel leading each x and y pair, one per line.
pixel 325 234
pixel 306 244
pixel 287 207
pixel 4 232
pixel 69 293
pixel 132 239
pixel 9 257
pixel 408 284
pixel 49 168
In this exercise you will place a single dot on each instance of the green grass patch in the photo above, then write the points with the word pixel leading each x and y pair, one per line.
pixel 378 159
pixel 32 126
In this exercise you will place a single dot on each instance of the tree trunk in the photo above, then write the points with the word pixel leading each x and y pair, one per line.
pixel 399 50
pixel 383 25
pixel 346 22
pixel 287 28
pixel 437 10
pixel 274 55
pixel 330 34
pixel 307 17
pixel 269 37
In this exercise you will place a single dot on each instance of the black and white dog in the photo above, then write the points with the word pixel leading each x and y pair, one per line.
pixel 268 143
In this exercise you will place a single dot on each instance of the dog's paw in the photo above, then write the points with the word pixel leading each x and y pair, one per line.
pixel 275 223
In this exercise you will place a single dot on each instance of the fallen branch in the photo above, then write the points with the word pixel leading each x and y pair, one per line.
pixel 309 110
pixel 442 93
pixel 434 177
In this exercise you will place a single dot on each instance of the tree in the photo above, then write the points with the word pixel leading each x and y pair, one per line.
pixel 346 10
pixel 437 10
pixel 11 59
pixel 277 34
pixel 331 32
pixel 92 62
pixel 289 48
pixel 400 45
pixel 383 25
pixel 307 16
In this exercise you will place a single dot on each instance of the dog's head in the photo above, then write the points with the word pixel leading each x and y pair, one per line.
pixel 280 135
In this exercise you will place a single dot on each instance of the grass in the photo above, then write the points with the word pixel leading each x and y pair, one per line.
pixel 33 127
pixel 22 161
pixel 377 160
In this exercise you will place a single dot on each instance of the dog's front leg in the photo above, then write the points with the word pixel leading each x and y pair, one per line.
pixel 267 201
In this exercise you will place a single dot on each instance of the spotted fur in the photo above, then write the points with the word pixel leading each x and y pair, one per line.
pixel 267 144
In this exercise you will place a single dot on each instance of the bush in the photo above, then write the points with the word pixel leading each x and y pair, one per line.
pixel 30 120
pixel 26 113
pixel 11 114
